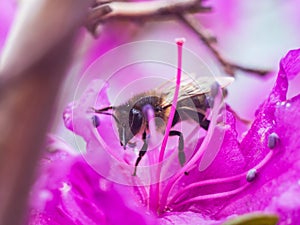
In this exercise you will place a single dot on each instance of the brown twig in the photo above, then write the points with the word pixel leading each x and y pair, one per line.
pixel 141 11
pixel 230 68
pixel 165 9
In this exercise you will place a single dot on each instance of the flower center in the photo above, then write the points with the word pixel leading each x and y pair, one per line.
pixel 164 197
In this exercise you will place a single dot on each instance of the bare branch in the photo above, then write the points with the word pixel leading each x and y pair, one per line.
pixel 230 68
pixel 142 11
pixel 164 9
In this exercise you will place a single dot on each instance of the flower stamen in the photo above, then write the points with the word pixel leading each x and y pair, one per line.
pixel 200 148
pixel 212 196
pixel 273 140
pixel 179 42
pixel 153 192
pixel 95 121
pixel 249 175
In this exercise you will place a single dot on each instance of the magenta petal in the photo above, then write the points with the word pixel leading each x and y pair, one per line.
pixel 286 203
pixel 290 64
pixel 255 142
pixel 278 181
pixel 70 192
pixel 229 160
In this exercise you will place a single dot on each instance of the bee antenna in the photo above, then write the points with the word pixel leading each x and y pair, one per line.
pixel 103 109
pixel 103 112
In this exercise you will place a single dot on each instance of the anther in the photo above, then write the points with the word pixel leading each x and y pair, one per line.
pixel 251 175
pixel 95 121
pixel 273 140
pixel 214 89
pixel 209 101
pixel 148 110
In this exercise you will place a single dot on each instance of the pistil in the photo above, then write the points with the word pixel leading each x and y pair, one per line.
pixel 179 42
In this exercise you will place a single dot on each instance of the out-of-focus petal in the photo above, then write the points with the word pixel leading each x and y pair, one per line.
pixel 69 191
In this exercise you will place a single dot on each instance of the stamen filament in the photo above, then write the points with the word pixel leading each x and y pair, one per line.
pixel 143 193
pixel 204 183
pixel 200 148
pixel 153 192
pixel 212 196
pixel 179 43
pixel 220 180
pixel 264 161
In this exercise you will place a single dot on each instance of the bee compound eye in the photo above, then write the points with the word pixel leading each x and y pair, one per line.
pixel 158 108
pixel 135 120
pixel 135 111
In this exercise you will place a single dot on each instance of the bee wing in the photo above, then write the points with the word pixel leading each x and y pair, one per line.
pixel 191 87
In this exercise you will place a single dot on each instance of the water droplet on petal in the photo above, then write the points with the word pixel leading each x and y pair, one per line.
pixel 65 188
pixel 104 185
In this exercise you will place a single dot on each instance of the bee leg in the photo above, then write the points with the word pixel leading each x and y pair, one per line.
pixel 142 152
pixel 204 124
pixel 181 154
pixel 103 109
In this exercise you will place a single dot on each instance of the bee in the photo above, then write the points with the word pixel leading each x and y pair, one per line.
pixel 193 102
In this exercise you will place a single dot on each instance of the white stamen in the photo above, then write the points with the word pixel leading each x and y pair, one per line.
pixel 214 89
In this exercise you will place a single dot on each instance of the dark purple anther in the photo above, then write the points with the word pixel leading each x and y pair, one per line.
pixel 95 121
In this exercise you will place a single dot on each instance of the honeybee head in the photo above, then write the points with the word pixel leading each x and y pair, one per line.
pixel 129 124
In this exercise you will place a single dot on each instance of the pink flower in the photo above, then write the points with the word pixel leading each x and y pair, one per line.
pixel 260 173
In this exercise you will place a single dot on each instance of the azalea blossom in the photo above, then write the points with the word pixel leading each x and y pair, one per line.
pixel 255 174
pixel 260 173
